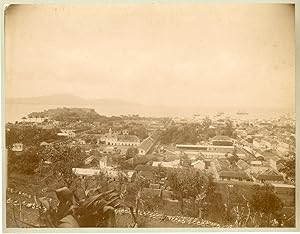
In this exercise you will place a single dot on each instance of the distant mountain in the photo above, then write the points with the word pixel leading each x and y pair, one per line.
pixel 65 99
pixel 61 99
pixel 104 106
pixel 109 107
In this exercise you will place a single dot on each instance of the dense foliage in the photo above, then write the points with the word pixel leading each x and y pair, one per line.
pixel 193 133
pixel 131 152
pixel 267 203
pixel 188 134
pixel 97 210
pixel 61 159
pixel 25 162
pixel 139 130
pixel 69 114
pixel 289 167
pixel 29 135
pixel 198 189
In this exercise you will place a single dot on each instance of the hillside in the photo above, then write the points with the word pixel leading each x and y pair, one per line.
pixel 69 114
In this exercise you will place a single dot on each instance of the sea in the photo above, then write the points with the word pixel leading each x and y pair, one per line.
pixel 14 112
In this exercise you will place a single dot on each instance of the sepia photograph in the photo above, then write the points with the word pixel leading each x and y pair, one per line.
pixel 149 115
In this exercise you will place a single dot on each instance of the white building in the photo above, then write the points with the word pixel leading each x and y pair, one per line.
pixel 111 138
pixel 17 147
pixel 85 171
pixel 67 133
pixel 34 119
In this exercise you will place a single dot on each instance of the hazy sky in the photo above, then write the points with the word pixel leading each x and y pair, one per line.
pixel 168 54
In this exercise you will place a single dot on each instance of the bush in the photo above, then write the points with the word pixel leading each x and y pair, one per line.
pixel 25 162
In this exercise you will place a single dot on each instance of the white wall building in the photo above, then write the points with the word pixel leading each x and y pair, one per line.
pixel 17 147
pixel 111 138
pixel 67 133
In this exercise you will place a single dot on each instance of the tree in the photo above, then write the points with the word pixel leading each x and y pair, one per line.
pixel 62 159
pixel 150 202
pixel 140 131
pixel 266 202
pixel 26 162
pixel 131 152
pixel 160 172
pixel 71 114
pixel 187 134
pixel 176 182
pixel 228 130
pixel 212 202
pixel 235 206
pixel 289 167
pixel 29 135
pixel 87 186
pixel 233 159
pixel 187 184
pixel 134 193
pixel 206 123
pixel 184 160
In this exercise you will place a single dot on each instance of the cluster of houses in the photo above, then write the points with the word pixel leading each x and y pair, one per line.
pixel 37 119
pixel 256 155
pixel 247 170
pixel 251 165
pixel 281 147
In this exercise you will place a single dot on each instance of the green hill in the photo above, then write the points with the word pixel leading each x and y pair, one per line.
pixel 69 114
